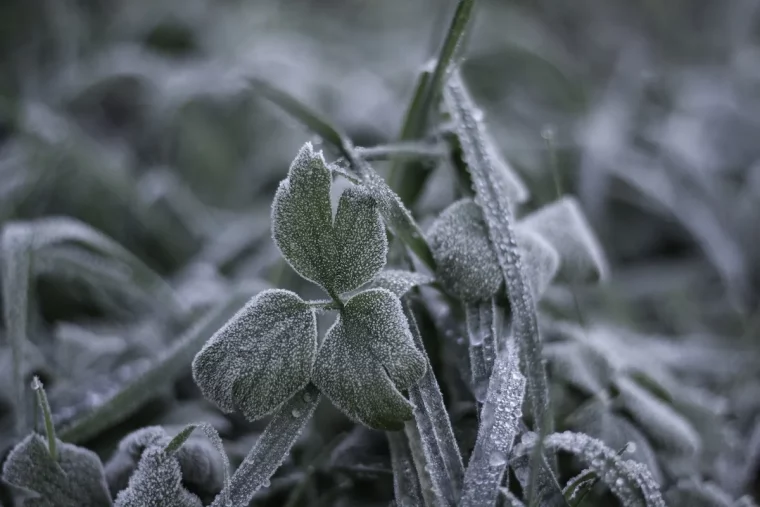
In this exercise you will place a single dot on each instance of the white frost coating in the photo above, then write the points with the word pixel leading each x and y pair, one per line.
pixel 466 263
pixel 482 333
pixel 629 481
pixel 492 196
pixel 367 356
pixel 261 356
pixel 500 420
pixel 596 419
pixel 341 254
pixel 270 449
pixel 406 484
pixel 157 482
pixel 563 224
pixel 444 462
pixel 75 479
pixel 658 419
pixel 399 281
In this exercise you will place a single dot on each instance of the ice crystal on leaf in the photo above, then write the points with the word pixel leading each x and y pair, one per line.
pixel 74 479
pixel 368 355
pixel 339 255
pixel 260 357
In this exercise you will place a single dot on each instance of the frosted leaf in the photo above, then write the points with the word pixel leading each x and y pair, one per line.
pixel 548 492
pixel 631 482
pixel 367 356
pixel 580 365
pixel 204 467
pixel 75 479
pixel 261 356
pixel 564 226
pixel 360 240
pixel 483 328
pixel 157 482
pixel 500 419
pixel 400 282
pixel 339 256
pixel 542 261
pixel 466 264
pixel 656 418
pixel 597 420
pixel 124 460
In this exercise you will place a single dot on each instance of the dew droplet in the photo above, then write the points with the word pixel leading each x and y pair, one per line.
pixel 296 412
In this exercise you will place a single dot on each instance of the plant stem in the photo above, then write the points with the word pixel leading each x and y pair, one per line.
pixel 270 449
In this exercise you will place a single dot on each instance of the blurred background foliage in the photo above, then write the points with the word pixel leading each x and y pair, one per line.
pixel 136 117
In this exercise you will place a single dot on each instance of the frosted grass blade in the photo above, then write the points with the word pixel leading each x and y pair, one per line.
pixel 499 425
pixel 406 484
pixel 492 196
pixel 439 445
pixel 270 449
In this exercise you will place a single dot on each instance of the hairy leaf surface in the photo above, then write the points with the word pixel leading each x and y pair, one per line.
pixel 368 355
pixel 339 255
pixel 261 356
pixel 75 479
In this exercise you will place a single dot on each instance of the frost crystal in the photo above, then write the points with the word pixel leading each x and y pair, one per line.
pixel 75 479
pixel 366 357
pixel 261 357
pixel 157 482
pixel 339 255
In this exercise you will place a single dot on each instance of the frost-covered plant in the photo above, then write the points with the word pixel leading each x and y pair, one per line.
pixel 267 354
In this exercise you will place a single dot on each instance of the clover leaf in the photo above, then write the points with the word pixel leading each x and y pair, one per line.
pixel 367 356
pixel 339 255
pixel 74 478
pixel 260 357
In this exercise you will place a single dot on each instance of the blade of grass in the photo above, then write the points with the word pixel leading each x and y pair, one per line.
pixel 406 484
pixel 442 454
pixel 408 178
pixel 42 401
pixel 492 196
pixel 270 449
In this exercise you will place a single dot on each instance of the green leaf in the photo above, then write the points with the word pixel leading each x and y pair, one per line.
pixel 659 420
pixel 74 479
pixel 408 179
pixel 339 256
pixel 261 356
pixel 367 356
pixel 157 481
pixel 400 282
pixel 395 214
pixel 564 226
pixel 466 263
